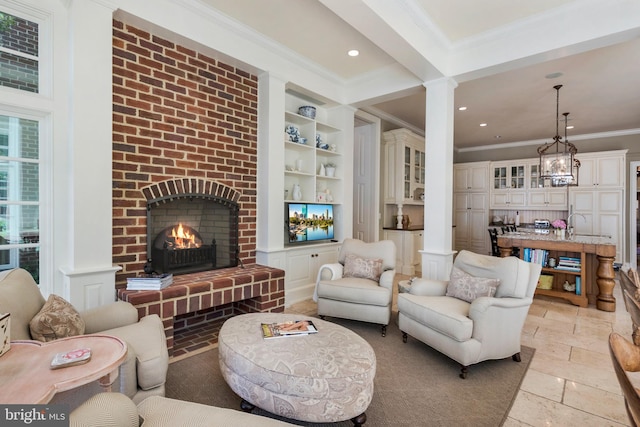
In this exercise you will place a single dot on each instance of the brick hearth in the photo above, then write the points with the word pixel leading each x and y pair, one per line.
pixel 202 300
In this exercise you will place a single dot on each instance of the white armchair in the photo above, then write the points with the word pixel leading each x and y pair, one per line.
pixel 360 286
pixel 144 371
pixel 487 327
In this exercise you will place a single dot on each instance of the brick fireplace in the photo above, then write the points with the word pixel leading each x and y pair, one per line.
pixel 184 122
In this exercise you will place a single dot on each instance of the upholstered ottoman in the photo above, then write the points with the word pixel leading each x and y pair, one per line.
pixel 323 377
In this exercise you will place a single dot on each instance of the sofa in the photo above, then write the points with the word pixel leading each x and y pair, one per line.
pixel 144 370
pixel 117 410
pixel 476 315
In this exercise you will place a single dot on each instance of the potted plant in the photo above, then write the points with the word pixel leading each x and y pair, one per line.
pixel 330 169
pixel 560 227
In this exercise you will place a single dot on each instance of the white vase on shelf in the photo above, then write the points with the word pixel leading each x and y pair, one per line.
pixel 297 192
pixel 322 171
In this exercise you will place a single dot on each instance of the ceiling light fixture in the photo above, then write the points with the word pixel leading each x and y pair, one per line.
pixel 483 125
pixel 353 52
pixel 462 108
pixel 557 161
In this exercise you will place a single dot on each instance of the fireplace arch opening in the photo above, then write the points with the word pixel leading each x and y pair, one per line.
pixel 188 233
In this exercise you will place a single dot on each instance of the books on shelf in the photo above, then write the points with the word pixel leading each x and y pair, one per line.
pixel 149 282
pixel 541 256
pixel 71 358
pixel 288 329
pixel 569 264
pixel 575 269
pixel 536 256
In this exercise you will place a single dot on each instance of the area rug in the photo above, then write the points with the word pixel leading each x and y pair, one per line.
pixel 414 385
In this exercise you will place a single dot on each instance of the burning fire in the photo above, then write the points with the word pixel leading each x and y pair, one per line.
pixel 183 239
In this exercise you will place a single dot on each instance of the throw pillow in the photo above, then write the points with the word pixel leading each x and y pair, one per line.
pixel 365 268
pixel 467 288
pixel 56 319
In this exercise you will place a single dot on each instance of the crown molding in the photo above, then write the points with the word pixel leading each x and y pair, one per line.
pixel 599 135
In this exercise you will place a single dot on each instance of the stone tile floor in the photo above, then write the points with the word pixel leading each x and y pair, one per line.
pixel 570 381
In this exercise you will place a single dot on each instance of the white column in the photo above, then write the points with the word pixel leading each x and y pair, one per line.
pixel 437 254
pixel 270 185
pixel 89 275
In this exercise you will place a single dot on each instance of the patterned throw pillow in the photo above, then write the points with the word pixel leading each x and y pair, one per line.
pixel 467 288
pixel 365 268
pixel 56 319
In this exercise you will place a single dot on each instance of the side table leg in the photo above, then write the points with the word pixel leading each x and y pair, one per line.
pixel 107 381
pixel 605 279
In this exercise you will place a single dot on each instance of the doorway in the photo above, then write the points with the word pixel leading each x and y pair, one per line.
pixel 366 177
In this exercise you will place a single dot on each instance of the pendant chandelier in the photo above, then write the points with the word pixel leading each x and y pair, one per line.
pixel 557 161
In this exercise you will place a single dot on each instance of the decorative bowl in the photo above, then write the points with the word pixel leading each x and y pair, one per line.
pixel 307 111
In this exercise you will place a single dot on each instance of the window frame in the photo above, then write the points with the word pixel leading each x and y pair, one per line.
pixel 38 107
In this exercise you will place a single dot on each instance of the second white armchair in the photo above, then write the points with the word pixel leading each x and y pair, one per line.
pixel 478 314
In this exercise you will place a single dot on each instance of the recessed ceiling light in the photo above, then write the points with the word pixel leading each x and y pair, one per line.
pixel 498 136
pixel 570 127
pixel 462 108
pixel 553 75
pixel 353 52
pixel 482 125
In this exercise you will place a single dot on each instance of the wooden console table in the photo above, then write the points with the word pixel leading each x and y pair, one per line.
pixel 597 255
pixel 27 379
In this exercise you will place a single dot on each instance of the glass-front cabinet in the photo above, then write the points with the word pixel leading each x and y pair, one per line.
pixel 509 176
pixel 405 171
pixel 509 189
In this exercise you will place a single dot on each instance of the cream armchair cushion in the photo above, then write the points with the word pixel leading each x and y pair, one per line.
pixel 144 371
pixel 358 298
pixel 470 332
pixel 117 410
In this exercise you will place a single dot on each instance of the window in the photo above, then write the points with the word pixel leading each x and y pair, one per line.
pixel 18 53
pixel 19 194
pixel 20 138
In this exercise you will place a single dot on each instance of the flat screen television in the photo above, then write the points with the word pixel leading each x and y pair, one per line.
pixel 309 222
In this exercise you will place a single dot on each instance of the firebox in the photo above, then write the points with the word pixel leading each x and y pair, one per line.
pixel 189 233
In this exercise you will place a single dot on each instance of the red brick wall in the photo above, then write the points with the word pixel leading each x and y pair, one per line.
pixel 177 113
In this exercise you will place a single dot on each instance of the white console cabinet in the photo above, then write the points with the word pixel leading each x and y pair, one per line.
pixel 302 268
pixel 408 243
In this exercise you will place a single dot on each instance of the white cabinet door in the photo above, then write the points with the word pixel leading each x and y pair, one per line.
pixel 547 199
pixel 407 245
pixel 600 212
pixel 471 177
pixel 508 199
pixel 601 170
pixel 303 264
pixel 471 216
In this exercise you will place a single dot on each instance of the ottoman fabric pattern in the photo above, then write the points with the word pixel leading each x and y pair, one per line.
pixel 324 377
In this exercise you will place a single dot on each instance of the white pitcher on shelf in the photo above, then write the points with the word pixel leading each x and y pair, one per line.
pixel 297 192
pixel 322 171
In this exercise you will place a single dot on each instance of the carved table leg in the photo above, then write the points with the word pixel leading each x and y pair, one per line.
pixel 605 279
pixel 505 252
